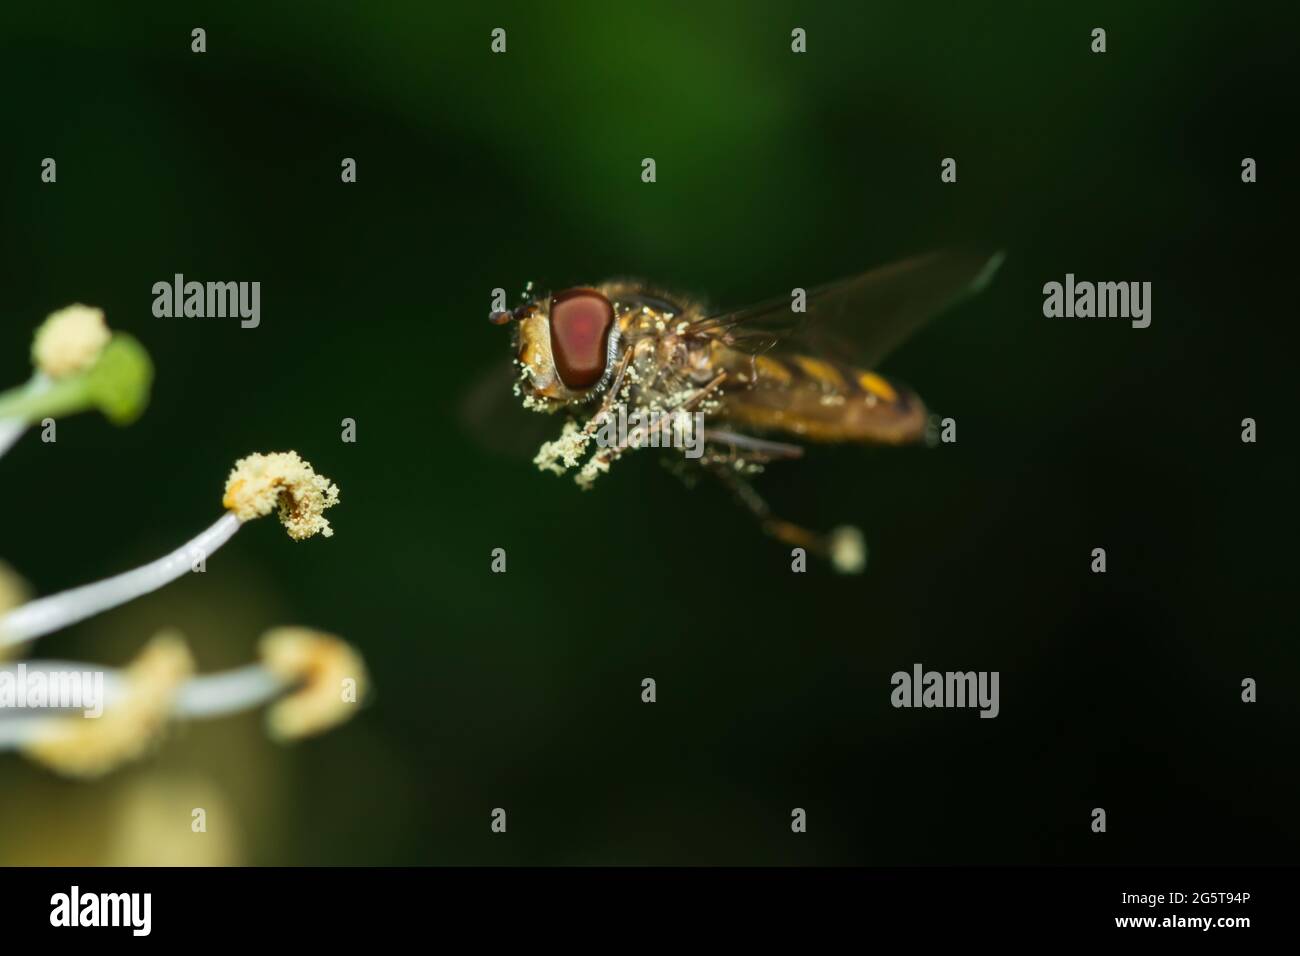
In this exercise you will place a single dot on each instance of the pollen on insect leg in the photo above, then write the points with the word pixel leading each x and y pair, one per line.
pixel 563 453
pixel 593 469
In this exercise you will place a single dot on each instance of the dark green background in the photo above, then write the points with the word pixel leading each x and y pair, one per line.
pixel 774 170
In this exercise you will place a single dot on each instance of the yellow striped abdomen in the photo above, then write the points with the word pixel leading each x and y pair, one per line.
pixel 819 400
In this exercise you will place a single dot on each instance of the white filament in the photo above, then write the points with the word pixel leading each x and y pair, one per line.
pixel 226 693
pixel 213 695
pixel 48 614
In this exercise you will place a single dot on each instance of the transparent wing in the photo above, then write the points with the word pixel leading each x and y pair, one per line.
pixel 491 414
pixel 861 319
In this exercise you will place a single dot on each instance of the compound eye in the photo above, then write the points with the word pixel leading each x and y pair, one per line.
pixel 581 320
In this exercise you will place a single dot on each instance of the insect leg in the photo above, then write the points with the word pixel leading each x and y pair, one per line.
pixel 769 450
pixel 611 396
pixel 700 395
pixel 600 462
pixel 603 458
pixel 842 546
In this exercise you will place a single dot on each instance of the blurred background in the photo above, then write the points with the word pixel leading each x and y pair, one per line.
pixel 775 170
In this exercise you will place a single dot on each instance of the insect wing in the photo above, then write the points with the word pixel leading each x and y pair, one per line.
pixel 861 319
pixel 493 417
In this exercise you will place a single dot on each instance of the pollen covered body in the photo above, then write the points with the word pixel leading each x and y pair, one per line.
pixel 670 353
pixel 760 382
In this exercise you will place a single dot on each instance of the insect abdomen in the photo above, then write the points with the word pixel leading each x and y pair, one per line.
pixel 825 401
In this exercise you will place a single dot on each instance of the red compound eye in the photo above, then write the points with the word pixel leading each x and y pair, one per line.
pixel 581 320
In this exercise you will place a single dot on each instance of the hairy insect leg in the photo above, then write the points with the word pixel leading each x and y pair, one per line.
pixel 842 546
pixel 702 393
pixel 602 459
pixel 762 449
pixel 611 396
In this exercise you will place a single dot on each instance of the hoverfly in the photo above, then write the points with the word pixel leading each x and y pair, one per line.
pixel 761 379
